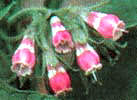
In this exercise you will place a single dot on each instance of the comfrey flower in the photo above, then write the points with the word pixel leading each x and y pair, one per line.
pixel 23 60
pixel 59 80
pixel 61 38
pixel 87 58
pixel 108 25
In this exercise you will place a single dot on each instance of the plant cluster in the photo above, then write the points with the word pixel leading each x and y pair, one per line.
pixel 58 41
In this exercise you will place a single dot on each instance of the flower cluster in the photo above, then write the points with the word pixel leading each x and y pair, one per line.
pixel 108 26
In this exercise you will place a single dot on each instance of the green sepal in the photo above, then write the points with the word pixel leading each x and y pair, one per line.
pixel 68 60
pixel 50 58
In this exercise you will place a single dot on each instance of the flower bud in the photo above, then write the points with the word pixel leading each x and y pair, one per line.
pixel 23 60
pixel 109 26
pixel 61 38
pixel 87 58
pixel 59 80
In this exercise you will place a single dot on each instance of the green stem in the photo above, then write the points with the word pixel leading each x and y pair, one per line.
pixel 27 12
pixel 10 39
pixel 4 12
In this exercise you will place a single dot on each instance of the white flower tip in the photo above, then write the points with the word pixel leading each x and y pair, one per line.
pixel 54 19
pixel 61 69
pixel 79 51
pixel 88 47
pixel 51 73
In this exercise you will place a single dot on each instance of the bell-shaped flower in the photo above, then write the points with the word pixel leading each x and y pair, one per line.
pixel 59 80
pixel 61 38
pixel 87 58
pixel 23 60
pixel 108 25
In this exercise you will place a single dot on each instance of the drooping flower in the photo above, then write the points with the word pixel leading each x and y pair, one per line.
pixel 61 38
pixel 108 25
pixel 23 60
pixel 87 58
pixel 59 80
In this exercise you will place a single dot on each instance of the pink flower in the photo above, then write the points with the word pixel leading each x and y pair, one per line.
pixel 61 38
pixel 59 80
pixel 23 60
pixel 108 25
pixel 87 58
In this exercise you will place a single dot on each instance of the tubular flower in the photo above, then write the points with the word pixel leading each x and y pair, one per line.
pixel 59 80
pixel 87 58
pixel 61 38
pixel 23 60
pixel 108 25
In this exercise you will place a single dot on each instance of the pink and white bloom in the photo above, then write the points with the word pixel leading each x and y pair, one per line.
pixel 59 80
pixel 87 58
pixel 23 60
pixel 61 38
pixel 108 25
